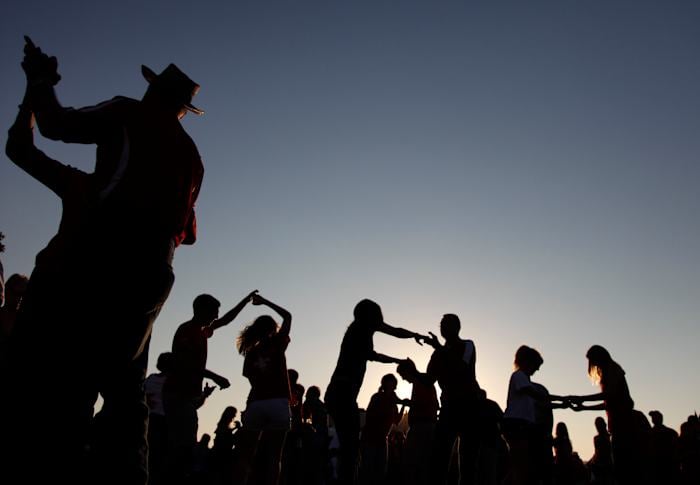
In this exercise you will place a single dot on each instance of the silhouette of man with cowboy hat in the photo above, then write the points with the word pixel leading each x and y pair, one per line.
pixel 95 293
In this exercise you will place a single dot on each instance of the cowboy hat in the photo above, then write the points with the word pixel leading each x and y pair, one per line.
pixel 175 84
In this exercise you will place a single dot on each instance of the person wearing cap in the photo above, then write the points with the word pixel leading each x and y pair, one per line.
pixel 85 324
pixel 356 350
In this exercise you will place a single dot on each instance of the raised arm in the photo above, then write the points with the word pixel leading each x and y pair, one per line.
pixel 286 316
pixel 21 150
pixel 56 122
pixel 230 315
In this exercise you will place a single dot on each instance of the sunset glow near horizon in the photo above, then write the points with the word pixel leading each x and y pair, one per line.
pixel 530 166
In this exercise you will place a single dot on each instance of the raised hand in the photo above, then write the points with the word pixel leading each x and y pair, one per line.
pixel 432 341
pixel 39 67
pixel 256 299
pixel 206 392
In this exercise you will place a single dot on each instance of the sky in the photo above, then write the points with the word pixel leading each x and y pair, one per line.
pixel 530 166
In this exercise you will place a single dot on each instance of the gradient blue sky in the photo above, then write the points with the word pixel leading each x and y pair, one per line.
pixel 531 166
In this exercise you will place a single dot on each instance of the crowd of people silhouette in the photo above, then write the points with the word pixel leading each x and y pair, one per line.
pixel 119 229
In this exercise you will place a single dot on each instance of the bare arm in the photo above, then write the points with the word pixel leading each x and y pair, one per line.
pixel 399 332
pixel 433 341
pixel 559 405
pixel 384 359
pixel 592 407
pixel 206 392
pixel 232 313
pixel 286 316
pixel 590 397
pixel 220 381
pixel 535 393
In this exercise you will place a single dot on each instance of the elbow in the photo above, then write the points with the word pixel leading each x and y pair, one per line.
pixel 16 151
pixel 51 131
pixel 51 124
pixel 10 149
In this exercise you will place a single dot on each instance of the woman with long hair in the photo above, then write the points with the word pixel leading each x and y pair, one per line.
pixel 628 440
pixel 222 453
pixel 267 417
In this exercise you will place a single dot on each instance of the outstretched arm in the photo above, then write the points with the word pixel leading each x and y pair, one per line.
pixel 433 341
pixel 590 397
pixel 592 407
pixel 232 313
pixel 399 332
pixel 286 316
pixel 384 359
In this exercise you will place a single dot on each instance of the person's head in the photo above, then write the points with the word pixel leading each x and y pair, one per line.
pixel 228 415
pixel 206 308
pixel 600 425
pixel 656 417
pixel 368 312
pixel 313 393
pixel 15 286
pixel 407 370
pixel 450 326
pixel 204 440
pixel 598 361
pixel 165 362
pixel 561 430
pixel 389 383
pixel 262 327
pixel 527 360
pixel 687 430
pixel 293 376
pixel 171 91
